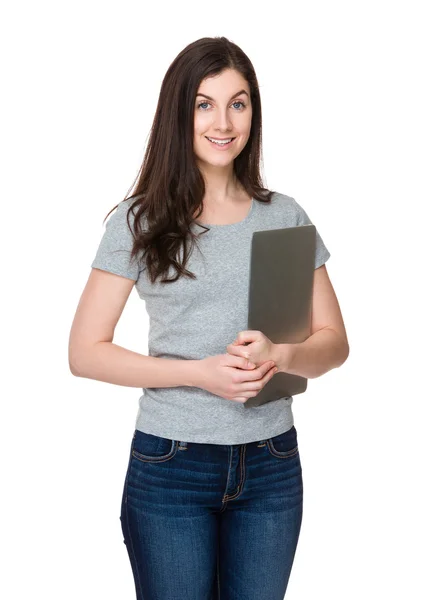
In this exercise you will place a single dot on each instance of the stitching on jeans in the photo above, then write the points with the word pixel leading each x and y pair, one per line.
pixel 133 553
pixel 229 472
pixel 275 452
pixel 155 459
pixel 126 513
pixel 242 471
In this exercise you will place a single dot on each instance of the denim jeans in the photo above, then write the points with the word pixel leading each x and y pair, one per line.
pixel 209 521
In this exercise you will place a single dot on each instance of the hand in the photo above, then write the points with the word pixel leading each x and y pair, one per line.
pixel 232 377
pixel 259 349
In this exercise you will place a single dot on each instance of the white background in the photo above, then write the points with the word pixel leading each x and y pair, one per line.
pixel 346 94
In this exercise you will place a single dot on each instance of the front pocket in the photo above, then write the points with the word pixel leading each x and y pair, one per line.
pixel 152 448
pixel 284 445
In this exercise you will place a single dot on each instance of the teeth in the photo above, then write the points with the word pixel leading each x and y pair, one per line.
pixel 220 142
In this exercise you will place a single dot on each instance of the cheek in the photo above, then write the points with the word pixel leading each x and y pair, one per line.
pixel 245 124
pixel 201 123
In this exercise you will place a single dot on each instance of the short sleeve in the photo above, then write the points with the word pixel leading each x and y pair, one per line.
pixel 321 253
pixel 113 253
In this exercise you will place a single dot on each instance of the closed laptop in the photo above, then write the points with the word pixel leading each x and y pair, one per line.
pixel 282 266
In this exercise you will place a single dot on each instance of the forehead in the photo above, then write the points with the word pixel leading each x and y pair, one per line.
pixel 224 84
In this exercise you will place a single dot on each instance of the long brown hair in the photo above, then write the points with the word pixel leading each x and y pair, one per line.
pixel 170 187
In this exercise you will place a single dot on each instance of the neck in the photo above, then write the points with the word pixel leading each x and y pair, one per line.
pixel 221 186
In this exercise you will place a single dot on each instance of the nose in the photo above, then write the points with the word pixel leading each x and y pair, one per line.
pixel 222 120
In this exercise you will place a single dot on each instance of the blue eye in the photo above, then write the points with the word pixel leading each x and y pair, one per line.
pixel 237 102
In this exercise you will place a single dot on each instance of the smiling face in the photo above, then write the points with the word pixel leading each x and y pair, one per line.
pixel 223 111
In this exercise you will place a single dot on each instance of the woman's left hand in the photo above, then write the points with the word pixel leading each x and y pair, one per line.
pixel 259 349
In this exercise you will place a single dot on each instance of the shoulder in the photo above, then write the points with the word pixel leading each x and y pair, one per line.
pixel 121 217
pixel 124 205
pixel 288 206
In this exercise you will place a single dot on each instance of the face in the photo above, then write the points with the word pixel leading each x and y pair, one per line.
pixel 223 110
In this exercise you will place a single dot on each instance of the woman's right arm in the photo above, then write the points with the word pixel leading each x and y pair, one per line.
pixel 92 353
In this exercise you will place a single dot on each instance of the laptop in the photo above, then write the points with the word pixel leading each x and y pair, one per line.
pixel 282 265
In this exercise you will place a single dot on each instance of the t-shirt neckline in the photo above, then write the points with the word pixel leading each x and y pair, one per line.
pixel 231 225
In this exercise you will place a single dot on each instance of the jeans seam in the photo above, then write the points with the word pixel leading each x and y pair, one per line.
pixel 156 459
pixel 275 453
pixel 242 472
pixel 126 513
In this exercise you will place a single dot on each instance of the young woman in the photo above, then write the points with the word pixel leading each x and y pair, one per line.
pixel 213 493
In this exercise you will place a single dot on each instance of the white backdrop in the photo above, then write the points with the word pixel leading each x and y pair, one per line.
pixel 346 93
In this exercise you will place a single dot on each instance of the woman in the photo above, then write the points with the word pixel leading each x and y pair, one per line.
pixel 213 493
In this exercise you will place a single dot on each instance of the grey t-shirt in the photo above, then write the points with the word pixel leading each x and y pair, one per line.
pixel 192 319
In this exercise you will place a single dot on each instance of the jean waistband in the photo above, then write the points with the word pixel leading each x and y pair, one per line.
pixel 260 443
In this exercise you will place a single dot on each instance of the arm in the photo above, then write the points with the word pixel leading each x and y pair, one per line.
pixel 321 352
pixel 105 361
pixel 92 353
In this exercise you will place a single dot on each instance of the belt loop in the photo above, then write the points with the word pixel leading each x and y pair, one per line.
pixel 183 444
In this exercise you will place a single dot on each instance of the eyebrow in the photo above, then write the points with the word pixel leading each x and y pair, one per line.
pixel 237 94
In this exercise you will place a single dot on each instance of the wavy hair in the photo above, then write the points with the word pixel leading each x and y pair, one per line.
pixel 169 187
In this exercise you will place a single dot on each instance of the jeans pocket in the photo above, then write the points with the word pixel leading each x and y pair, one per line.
pixel 284 445
pixel 152 448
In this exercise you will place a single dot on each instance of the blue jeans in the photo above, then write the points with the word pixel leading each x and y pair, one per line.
pixel 209 521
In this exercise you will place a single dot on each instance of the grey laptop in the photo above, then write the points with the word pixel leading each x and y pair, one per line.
pixel 280 297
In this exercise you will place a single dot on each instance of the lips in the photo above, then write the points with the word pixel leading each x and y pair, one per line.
pixel 209 137
pixel 221 146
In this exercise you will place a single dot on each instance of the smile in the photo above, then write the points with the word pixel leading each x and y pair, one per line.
pixel 221 143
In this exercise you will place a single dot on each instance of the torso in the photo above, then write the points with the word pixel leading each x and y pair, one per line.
pixel 227 214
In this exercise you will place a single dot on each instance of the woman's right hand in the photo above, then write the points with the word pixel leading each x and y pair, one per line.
pixel 230 377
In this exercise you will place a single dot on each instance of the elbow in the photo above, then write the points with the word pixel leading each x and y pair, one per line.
pixel 73 368
pixel 344 354
pixel 75 362
pixel 80 358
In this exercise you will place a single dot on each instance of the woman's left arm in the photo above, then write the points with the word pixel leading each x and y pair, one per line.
pixel 321 352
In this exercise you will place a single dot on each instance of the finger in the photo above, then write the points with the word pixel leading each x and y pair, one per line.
pixel 255 384
pixel 267 366
pixel 268 375
pixel 271 372
pixel 239 362
pixel 259 372
pixel 238 351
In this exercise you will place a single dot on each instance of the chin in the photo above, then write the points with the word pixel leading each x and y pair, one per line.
pixel 222 162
